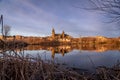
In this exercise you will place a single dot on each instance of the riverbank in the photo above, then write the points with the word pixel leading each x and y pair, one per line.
pixel 20 67
pixel 4 44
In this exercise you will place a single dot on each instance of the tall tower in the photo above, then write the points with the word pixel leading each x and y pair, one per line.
pixel 63 34
pixel 53 33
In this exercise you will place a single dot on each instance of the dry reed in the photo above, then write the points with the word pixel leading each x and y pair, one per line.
pixel 29 68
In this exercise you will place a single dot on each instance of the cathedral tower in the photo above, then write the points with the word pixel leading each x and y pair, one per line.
pixel 63 34
pixel 53 33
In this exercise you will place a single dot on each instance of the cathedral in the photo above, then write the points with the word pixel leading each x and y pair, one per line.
pixel 59 36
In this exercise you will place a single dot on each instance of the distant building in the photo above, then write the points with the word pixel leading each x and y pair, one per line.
pixel 88 40
pixel 18 37
pixel 101 38
pixel 60 37
pixel 1 37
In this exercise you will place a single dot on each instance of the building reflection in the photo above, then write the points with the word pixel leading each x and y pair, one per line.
pixel 64 49
pixel 59 50
pixel 54 49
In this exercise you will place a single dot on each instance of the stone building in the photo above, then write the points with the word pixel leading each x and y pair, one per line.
pixel 60 37
pixel 101 39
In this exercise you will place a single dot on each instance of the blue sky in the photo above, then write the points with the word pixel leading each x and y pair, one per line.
pixel 38 17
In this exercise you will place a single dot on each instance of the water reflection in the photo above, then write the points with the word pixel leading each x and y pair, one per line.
pixel 79 56
pixel 64 49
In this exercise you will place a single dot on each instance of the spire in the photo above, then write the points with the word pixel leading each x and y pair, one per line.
pixel 53 33
pixel 63 34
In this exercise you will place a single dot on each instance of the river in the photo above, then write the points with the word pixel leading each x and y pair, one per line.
pixel 82 58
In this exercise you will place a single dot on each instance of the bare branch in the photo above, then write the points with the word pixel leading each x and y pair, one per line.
pixel 110 7
pixel 6 29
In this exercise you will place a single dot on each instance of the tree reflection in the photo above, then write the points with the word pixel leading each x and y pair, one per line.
pixel 61 49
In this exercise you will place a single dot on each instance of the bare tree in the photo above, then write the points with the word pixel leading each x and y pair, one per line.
pixel 6 30
pixel 110 7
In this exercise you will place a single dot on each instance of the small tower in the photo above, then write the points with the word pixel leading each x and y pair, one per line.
pixel 63 34
pixel 53 33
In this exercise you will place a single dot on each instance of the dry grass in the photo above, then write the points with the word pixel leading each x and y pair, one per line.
pixel 104 73
pixel 29 68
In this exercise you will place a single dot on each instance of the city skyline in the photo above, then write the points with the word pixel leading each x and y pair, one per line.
pixel 38 17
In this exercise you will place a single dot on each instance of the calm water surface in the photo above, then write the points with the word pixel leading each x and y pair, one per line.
pixel 83 59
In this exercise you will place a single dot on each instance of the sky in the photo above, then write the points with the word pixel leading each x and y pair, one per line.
pixel 38 17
